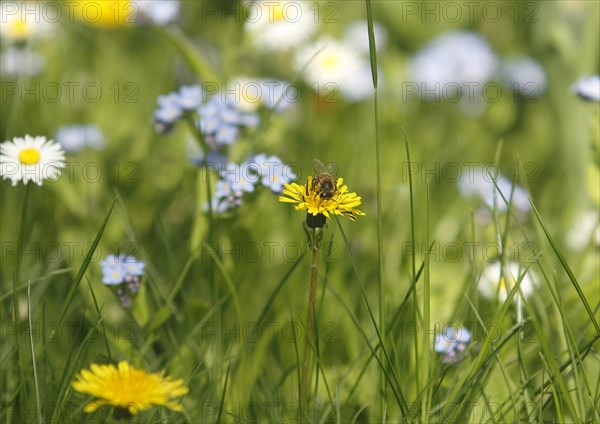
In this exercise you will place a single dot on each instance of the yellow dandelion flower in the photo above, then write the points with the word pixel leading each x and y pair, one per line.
pixel 128 388
pixel 105 13
pixel 308 198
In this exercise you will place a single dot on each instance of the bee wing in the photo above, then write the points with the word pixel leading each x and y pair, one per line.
pixel 318 166
pixel 332 169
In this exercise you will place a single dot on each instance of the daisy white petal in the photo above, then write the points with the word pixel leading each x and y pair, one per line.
pixel 31 159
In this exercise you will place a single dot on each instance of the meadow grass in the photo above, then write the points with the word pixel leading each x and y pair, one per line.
pixel 223 300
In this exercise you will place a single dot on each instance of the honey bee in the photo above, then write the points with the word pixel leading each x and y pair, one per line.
pixel 325 179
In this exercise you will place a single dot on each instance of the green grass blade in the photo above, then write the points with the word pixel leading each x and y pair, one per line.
pixel 188 51
pixel 298 369
pixel 399 396
pixel 427 340
pixel 36 385
pixel 380 277
pixel 99 312
pixel 372 46
pixel 278 288
pixel 82 269
pixel 567 268
pixel 222 405
pixel 413 261
pixel 229 281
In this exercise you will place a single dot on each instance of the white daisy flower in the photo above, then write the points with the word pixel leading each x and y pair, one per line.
pixel 330 62
pixel 31 158
pixel 588 88
pixel 280 25
pixel 455 57
pixel 160 12
pixel 493 282
pixel 20 21
pixel 357 34
pixel 74 138
pixel 252 94
pixel 525 75
pixel 467 57
pixel 248 93
pixel 480 184
pixel 15 62
pixel 585 227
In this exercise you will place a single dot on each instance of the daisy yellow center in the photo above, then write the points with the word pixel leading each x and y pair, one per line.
pixel 19 28
pixel 278 14
pixel 251 97
pixel 503 286
pixel 330 61
pixel 29 156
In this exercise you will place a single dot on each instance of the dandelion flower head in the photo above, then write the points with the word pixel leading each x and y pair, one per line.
pixel 126 387
pixel 310 200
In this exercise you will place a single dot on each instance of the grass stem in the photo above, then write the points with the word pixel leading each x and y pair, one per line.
pixel 310 328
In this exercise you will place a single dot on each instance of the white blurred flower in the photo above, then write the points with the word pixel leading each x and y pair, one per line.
pixel 479 183
pixel 248 93
pixel 588 88
pixel 527 74
pixel 456 57
pixel 333 64
pixel 31 159
pixel 357 35
pixel 15 62
pixel 73 138
pixel 272 171
pixel 160 12
pixel 279 95
pixel 24 20
pixel 280 25
pixel 494 283
pixel 251 93
pixel 585 228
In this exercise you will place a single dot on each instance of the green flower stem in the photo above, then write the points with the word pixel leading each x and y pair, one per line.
pixel 189 53
pixel 16 280
pixel 310 328
pixel 315 236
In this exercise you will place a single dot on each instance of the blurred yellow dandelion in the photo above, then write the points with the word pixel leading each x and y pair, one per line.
pixel 105 13
pixel 128 388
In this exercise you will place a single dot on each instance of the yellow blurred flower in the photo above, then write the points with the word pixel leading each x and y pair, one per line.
pixel 105 13
pixel 21 21
pixel 128 388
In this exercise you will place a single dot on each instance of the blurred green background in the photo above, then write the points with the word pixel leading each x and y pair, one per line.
pixel 548 145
